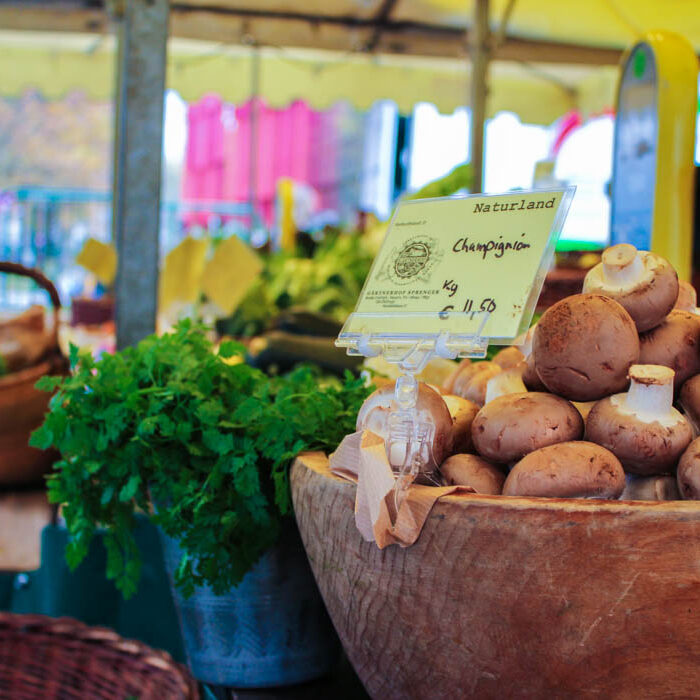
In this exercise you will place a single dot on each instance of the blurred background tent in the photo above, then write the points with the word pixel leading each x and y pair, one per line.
pixel 347 77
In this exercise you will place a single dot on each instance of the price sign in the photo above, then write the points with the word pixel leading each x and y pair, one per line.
pixel 444 258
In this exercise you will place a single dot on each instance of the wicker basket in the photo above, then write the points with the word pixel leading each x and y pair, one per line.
pixel 44 658
pixel 22 407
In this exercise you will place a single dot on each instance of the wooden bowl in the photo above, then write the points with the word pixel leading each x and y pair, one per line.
pixel 511 597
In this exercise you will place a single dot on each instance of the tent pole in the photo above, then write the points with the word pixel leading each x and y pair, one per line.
pixel 142 30
pixel 479 49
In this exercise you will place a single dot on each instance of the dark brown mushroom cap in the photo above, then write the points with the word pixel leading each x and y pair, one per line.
pixel 508 357
pixel 584 346
pixel 567 470
pixel 651 488
pixel 689 399
pixel 463 413
pixel 644 448
pixel 510 426
pixel 674 343
pixel 474 472
pixel 375 411
pixel 688 475
pixel 647 301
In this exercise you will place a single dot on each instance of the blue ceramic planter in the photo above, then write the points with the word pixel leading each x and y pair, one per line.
pixel 271 630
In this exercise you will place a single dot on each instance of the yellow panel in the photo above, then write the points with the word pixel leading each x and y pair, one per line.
pixel 677 67
pixel 56 64
pixel 588 22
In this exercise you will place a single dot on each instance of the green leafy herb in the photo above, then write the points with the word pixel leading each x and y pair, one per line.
pixel 207 441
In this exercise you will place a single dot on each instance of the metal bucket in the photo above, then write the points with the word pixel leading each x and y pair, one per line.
pixel 271 630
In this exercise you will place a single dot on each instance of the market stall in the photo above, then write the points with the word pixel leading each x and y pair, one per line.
pixel 486 528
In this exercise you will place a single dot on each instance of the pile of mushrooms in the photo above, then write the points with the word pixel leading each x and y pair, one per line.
pixel 601 399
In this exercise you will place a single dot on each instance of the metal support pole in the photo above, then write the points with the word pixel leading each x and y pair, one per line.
pixel 480 50
pixel 142 27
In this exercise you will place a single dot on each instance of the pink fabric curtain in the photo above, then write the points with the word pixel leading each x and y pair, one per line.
pixel 296 142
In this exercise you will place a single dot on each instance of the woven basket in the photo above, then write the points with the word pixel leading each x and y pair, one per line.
pixel 22 407
pixel 44 658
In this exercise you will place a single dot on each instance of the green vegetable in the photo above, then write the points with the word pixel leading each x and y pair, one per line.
pixel 329 282
pixel 207 441
pixel 3 366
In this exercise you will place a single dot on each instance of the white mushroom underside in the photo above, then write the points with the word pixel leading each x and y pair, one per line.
pixel 646 411
pixel 641 271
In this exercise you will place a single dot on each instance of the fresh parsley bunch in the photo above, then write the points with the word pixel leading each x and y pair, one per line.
pixel 209 442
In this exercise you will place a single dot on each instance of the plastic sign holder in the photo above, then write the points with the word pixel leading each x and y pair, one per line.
pixel 453 275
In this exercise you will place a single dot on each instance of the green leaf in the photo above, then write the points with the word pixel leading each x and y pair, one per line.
pixel 219 442
pixel 130 488
pixel 107 494
pixel 229 349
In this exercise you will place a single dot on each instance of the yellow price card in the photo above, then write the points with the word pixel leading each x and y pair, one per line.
pixel 448 259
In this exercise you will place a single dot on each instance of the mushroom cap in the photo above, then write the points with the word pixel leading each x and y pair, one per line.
pixel 463 413
pixel 473 472
pixel 510 426
pixel 643 447
pixel 651 488
pixel 471 382
pixel 375 411
pixel 674 343
pixel 508 357
pixel 689 399
pixel 567 470
pixel 687 297
pixel 647 300
pixel 688 475
pixel 530 377
pixel 583 347
pixel 448 384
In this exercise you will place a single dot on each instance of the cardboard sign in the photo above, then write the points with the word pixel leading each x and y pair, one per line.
pixel 483 253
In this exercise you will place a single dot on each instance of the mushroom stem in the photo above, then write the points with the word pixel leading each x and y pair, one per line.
pixel 650 395
pixel 621 265
pixel 509 381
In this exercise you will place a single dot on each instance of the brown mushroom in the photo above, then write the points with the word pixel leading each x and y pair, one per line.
pixel 449 383
pixel 688 475
pixel 463 413
pixel 567 470
pixel 509 357
pixel 509 427
pixel 651 488
pixel 583 347
pixel 689 399
pixel 641 427
pixel 471 382
pixel 644 283
pixel 530 377
pixel 375 411
pixel 674 343
pixel 473 472
pixel 509 381
pixel 687 297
